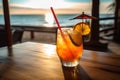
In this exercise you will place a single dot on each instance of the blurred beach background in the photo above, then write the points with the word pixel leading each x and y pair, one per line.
pixel 36 13
pixel 50 38
pixel 37 20
pixel 41 20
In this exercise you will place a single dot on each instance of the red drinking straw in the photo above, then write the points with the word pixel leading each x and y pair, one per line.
pixel 56 19
pixel 60 29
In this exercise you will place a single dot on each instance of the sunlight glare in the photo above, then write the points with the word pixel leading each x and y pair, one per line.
pixel 49 50
pixel 49 18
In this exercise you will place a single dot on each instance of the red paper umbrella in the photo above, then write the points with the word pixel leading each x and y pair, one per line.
pixel 83 16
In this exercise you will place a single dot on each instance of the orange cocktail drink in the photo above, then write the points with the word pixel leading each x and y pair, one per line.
pixel 70 47
pixel 69 42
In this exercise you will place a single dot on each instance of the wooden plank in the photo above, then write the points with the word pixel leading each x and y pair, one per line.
pixel 7 22
pixel 38 61
pixel 31 65
pixel 32 34
pixel 98 71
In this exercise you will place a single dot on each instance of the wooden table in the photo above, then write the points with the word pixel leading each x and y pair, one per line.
pixel 38 61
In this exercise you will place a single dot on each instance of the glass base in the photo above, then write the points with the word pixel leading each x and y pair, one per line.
pixel 70 64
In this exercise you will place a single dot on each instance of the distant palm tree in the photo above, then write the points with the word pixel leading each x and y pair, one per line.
pixel 111 7
pixel 115 6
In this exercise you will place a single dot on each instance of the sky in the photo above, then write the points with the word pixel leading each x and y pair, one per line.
pixel 60 6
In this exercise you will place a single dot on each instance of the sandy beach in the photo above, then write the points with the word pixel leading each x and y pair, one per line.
pixel 41 37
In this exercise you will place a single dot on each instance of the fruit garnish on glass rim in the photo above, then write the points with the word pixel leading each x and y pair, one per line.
pixel 79 30
pixel 82 28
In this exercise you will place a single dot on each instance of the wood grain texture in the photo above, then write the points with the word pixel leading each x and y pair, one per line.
pixel 38 61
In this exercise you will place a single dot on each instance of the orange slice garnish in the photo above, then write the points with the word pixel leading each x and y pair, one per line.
pixel 82 28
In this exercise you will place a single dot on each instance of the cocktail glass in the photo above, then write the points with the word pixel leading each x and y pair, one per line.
pixel 69 47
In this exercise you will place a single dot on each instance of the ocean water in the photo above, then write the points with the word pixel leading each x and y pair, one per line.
pixel 37 20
